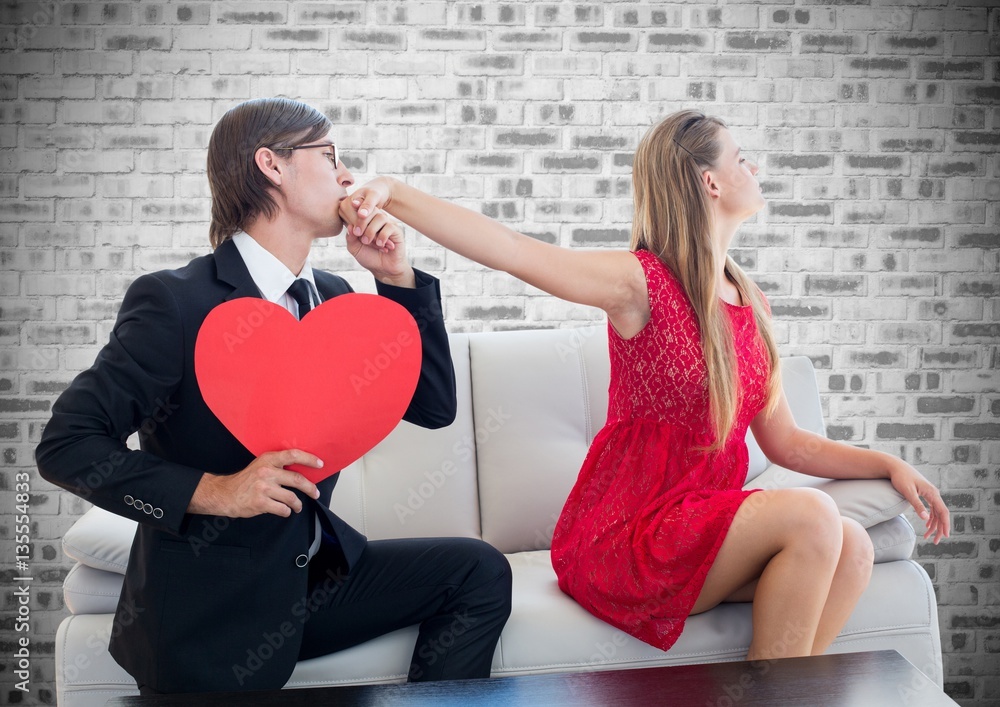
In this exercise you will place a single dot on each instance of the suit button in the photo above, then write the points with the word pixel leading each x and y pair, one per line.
pixel 137 504
pixel 157 513
pixel 302 560
pixel 147 508
pixel 128 500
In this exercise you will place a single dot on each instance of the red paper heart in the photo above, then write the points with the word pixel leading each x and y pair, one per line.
pixel 334 384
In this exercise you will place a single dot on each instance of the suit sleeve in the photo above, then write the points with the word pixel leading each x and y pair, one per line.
pixel 434 401
pixel 128 389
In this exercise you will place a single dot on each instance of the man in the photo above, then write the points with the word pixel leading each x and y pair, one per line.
pixel 238 568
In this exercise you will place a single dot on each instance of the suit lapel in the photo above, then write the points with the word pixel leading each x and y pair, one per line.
pixel 231 269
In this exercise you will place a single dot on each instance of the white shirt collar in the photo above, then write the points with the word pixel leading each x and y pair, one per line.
pixel 271 276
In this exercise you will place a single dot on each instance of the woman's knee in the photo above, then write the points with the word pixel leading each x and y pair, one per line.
pixel 857 554
pixel 814 523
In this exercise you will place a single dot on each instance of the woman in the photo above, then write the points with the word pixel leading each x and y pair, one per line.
pixel 657 526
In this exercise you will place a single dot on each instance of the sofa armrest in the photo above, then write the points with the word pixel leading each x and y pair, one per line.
pixel 868 501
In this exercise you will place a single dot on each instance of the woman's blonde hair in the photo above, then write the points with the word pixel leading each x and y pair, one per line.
pixel 673 220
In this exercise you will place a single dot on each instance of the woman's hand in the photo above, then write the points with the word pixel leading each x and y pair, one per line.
pixel 361 208
pixel 912 484
pixel 373 238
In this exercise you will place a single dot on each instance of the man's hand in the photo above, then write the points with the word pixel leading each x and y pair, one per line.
pixel 373 238
pixel 263 487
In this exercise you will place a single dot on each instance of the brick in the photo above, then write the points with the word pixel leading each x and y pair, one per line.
pixel 943 405
pixel 970 165
pixel 970 331
pixel 28 63
pixel 289 38
pixel 95 210
pixel 785 163
pixel 85 13
pixel 800 116
pixel 945 69
pixel 949 357
pixel 974 286
pixel 549 64
pixel 969 117
pixel 567 163
pixel 782 212
pixel 436 88
pixel 71 185
pixel 974 93
pixel 951 213
pixel 251 13
pixel 487 162
pixel 908 333
pixel 543 40
pixel 131 87
pixel 214 38
pixel 833 236
pixel 58 87
pixel 757 41
pixel 206 87
pixel 832 43
pixel 565 15
pixel 490 14
pixel 565 211
pixel 904 431
pixel 921 44
pixel 183 14
pixel 600 236
pixel 655 16
pixel 603 41
pixel 896 18
pixel 61 38
pixel 342 13
pixel 176 62
pixel 137 40
pixel 985 141
pixel 96 112
pixel 529 90
pixel 488 64
pixel 505 113
pixel 679 41
pixel 369 40
pixel 450 39
pixel 876 67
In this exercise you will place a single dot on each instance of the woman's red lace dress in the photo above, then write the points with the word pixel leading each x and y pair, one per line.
pixel 648 513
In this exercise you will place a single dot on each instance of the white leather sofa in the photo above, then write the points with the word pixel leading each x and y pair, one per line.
pixel 530 402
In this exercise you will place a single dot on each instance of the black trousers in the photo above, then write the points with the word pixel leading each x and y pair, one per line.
pixel 457 589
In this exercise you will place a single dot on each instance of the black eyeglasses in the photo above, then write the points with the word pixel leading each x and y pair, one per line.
pixel 335 155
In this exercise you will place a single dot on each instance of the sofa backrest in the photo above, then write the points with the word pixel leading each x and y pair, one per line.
pixel 418 482
pixel 530 403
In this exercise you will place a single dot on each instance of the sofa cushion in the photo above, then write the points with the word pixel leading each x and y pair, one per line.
pixel 892 539
pixel 540 397
pixel 92 591
pixel 101 540
pixel 549 632
pixel 868 501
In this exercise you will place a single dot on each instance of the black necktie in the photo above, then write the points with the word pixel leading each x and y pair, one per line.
pixel 299 290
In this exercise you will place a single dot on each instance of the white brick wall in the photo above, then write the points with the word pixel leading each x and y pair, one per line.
pixel 875 123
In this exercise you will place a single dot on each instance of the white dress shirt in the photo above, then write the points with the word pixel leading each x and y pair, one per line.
pixel 272 277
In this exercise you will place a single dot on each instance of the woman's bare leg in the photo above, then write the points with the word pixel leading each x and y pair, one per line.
pixel 790 541
pixel 849 582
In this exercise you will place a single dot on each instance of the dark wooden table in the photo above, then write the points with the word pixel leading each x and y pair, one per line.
pixel 875 679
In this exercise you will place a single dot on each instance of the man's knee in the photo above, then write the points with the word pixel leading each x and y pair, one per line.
pixel 490 571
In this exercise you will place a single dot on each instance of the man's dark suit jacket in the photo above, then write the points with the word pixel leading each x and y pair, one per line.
pixel 206 599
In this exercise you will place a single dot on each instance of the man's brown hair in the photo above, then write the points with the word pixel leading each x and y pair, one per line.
pixel 240 192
